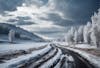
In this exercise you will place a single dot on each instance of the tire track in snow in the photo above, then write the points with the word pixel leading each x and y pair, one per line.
pixel 44 59
pixel 53 61
pixel 80 62
pixel 15 54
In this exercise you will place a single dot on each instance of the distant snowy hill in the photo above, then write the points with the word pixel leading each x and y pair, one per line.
pixel 19 32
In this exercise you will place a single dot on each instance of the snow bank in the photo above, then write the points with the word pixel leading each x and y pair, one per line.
pixel 91 58
pixel 24 58
pixel 84 46
pixel 22 46
pixel 52 60
pixel 60 43
pixel 59 63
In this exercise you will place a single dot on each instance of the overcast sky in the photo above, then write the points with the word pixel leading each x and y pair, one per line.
pixel 47 15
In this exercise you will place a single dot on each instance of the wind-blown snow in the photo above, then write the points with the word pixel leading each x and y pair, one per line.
pixel 59 63
pixel 50 62
pixel 84 46
pixel 24 58
pixel 91 58
pixel 21 46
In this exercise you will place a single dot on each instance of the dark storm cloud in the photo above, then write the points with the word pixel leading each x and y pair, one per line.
pixel 79 10
pixel 58 20
pixel 24 18
pixel 21 21
pixel 11 20
pixel 9 5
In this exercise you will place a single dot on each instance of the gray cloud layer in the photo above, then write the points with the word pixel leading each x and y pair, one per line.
pixel 56 12
pixel 47 16
pixel 9 5
pixel 78 10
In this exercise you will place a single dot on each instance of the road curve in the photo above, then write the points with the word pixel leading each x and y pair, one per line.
pixel 55 57
pixel 79 61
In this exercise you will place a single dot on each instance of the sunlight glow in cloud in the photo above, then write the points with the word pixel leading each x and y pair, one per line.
pixel 35 12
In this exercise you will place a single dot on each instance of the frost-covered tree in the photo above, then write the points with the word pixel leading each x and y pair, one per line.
pixel 96 18
pixel 69 38
pixel 11 35
pixel 76 37
pixel 87 31
pixel 72 30
pixel 70 35
pixel 96 27
pixel 80 34
pixel 93 37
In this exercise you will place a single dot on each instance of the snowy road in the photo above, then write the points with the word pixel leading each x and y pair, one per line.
pixel 79 61
pixel 50 56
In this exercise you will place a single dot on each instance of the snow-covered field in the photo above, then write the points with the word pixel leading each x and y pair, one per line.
pixel 84 46
pixel 20 60
pixel 24 58
pixel 20 46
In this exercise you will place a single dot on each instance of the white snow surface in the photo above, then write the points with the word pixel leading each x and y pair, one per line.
pixel 95 60
pixel 50 62
pixel 8 47
pixel 84 46
pixel 62 43
pixel 70 58
pixel 91 58
pixel 24 58
pixel 59 63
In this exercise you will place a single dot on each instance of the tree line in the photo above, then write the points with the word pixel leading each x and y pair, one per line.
pixel 89 33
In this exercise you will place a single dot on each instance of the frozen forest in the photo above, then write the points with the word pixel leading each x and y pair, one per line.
pixel 87 34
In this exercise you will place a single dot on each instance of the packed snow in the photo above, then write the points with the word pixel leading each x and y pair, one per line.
pixel 55 58
pixel 8 47
pixel 84 46
pixel 59 63
pixel 24 58
pixel 91 58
